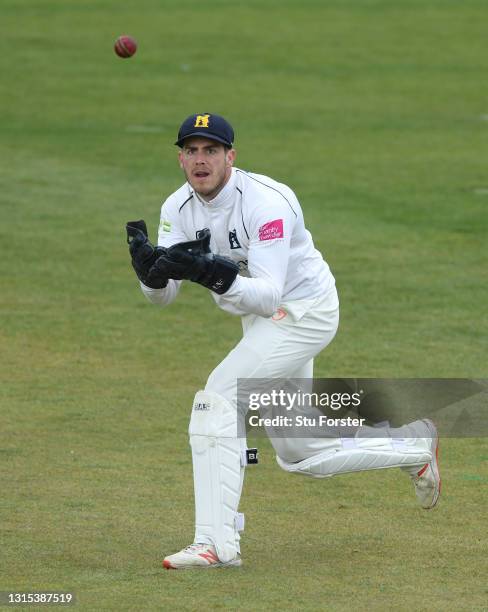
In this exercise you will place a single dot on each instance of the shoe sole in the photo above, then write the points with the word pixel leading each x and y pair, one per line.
pixel 434 464
pixel 236 563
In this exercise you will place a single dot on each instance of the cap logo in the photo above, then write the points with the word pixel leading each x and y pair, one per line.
pixel 202 121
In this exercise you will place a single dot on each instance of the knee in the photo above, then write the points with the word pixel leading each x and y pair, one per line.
pixel 288 450
pixel 213 416
pixel 221 385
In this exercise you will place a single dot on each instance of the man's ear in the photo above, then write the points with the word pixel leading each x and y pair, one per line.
pixel 180 159
pixel 231 156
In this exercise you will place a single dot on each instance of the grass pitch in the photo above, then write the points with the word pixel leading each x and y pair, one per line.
pixel 375 113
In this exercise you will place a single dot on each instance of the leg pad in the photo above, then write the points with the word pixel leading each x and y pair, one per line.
pixel 217 465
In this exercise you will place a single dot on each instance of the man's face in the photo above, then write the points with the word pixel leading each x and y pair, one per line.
pixel 207 165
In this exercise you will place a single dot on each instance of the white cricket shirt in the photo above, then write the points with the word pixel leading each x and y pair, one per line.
pixel 258 223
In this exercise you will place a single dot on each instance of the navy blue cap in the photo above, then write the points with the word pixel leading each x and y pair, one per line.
pixel 207 125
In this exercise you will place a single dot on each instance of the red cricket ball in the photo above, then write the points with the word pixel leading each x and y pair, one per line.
pixel 125 46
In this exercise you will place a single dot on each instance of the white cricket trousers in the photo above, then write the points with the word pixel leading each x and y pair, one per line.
pixel 282 346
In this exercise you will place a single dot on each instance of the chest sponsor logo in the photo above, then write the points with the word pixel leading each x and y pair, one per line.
pixel 233 240
pixel 271 230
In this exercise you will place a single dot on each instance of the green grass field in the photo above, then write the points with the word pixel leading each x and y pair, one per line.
pixel 376 113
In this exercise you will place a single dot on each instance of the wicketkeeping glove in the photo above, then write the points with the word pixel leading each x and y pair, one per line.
pixel 194 261
pixel 144 255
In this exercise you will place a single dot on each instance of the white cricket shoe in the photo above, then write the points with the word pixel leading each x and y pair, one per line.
pixel 427 480
pixel 198 556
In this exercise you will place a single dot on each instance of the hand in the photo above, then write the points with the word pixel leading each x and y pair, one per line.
pixel 144 255
pixel 194 261
pixel 184 259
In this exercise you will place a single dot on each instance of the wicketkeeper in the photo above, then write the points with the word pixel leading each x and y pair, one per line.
pixel 242 236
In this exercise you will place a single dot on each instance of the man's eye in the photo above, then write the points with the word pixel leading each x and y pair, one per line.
pixel 212 151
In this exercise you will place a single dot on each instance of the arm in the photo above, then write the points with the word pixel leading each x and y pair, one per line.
pixel 193 260
pixel 162 297
pixel 268 256
pixel 156 287
pixel 268 260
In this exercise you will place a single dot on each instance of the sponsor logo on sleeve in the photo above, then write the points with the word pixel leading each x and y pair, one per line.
pixel 165 226
pixel 271 230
